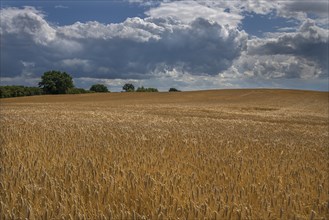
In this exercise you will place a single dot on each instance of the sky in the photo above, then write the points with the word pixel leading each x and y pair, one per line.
pixel 189 45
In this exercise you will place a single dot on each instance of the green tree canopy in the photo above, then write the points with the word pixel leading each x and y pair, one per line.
pixel 16 91
pixel 142 89
pixel 128 87
pixel 98 88
pixel 56 82
pixel 174 90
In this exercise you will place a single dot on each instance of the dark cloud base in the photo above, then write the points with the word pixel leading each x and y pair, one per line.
pixel 158 49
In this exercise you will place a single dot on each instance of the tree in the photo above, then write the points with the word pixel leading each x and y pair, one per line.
pixel 77 91
pixel 56 82
pixel 142 89
pixel 16 91
pixel 98 88
pixel 174 90
pixel 128 87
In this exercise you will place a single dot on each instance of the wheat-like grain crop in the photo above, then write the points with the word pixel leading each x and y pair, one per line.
pixel 231 154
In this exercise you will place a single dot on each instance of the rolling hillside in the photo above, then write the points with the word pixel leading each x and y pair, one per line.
pixel 222 154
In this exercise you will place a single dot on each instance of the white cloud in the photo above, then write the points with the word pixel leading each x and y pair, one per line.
pixel 197 45
pixel 286 29
pixel 216 9
pixel 77 64
pixel 61 7
pixel 164 81
pixel 27 21
pixel 135 29
pixel 132 49
pixel 310 42
pixel 187 11
pixel 299 55
pixel 302 9
pixel 273 67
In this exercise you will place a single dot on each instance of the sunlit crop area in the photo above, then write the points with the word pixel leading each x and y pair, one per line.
pixel 231 154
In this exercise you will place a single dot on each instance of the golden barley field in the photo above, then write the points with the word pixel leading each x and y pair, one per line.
pixel 225 154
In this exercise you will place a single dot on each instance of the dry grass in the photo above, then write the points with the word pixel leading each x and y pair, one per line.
pixel 231 154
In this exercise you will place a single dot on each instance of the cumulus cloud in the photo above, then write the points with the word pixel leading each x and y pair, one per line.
pixel 310 43
pixel 190 44
pixel 29 22
pixel 26 37
pixel 299 55
pixel 188 11
pixel 273 67
pixel 136 48
pixel 232 12
pixel 303 9
pixel 135 29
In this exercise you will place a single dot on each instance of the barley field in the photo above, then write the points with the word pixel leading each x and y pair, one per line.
pixel 226 154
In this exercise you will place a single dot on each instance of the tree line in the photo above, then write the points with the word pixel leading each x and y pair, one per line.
pixel 56 82
pixel 17 91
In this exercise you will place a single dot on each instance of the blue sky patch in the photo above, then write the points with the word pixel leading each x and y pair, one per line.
pixel 257 24
pixel 189 44
pixel 69 12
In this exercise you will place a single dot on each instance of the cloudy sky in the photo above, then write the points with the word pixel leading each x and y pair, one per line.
pixel 190 45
